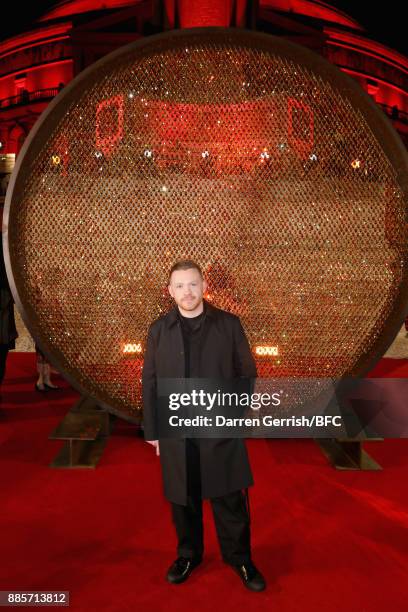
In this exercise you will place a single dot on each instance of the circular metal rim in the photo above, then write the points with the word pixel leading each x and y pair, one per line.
pixel 376 119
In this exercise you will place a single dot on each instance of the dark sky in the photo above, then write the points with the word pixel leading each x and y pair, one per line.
pixel 384 25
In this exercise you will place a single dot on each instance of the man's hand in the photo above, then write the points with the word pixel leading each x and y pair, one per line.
pixel 155 443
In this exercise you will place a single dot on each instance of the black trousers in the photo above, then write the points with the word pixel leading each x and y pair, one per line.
pixel 231 517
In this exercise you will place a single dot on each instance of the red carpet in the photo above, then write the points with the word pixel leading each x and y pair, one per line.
pixel 325 540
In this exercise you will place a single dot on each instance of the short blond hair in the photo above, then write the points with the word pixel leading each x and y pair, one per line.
pixel 185 264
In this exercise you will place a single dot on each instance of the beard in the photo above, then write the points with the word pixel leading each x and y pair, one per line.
pixel 190 304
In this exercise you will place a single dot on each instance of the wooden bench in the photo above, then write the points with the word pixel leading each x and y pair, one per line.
pixel 85 429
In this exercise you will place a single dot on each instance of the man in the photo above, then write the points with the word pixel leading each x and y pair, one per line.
pixel 197 340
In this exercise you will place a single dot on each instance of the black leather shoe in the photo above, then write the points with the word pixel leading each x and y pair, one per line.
pixel 181 569
pixel 52 387
pixel 250 576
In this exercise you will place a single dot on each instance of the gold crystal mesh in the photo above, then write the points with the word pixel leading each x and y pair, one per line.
pixel 240 151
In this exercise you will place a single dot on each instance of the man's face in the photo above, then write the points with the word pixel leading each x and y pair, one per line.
pixel 186 288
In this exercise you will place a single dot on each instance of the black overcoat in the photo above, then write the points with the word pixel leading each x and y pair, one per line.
pixel 224 354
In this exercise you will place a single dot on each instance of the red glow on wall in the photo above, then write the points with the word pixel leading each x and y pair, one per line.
pixel 238 133
pixel 38 78
pixel 317 10
pixel 191 123
pixel 75 7
pixel 16 139
pixel 30 39
pixel 204 13
pixel 365 46
pixel 109 124
pixel 387 94
pixel 228 138
pixel 50 75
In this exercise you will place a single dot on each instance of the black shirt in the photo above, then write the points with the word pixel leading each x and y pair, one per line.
pixel 192 329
